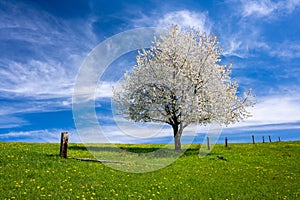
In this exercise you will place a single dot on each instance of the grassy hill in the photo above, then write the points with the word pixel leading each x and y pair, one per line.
pixel 260 171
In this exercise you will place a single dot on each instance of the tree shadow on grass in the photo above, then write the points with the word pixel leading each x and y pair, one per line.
pixel 94 148
pixel 77 148
pixel 113 148
pixel 139 150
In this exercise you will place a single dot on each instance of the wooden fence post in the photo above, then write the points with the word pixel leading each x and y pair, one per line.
pixel 64 139
pixel 253 140
pixel 208 145
pixel 270 138
pixel 226 142
pixel 263 138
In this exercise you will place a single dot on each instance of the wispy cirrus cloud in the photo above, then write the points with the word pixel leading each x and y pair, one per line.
pixel 268 8
pixel 42 56
pixel 12 122
pixel 257 8
pixel 43 52
pixel 286 50
pixel 254 22
pixel 44 135
pixel 36 79
pixel 239 44
pixel 184 18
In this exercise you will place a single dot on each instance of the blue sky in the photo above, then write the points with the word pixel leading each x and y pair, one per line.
pixel 44 43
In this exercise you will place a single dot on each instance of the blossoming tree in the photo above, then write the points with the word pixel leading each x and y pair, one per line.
pixel 180 81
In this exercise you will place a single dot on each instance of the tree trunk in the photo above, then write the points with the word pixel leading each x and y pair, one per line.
pixel 177 129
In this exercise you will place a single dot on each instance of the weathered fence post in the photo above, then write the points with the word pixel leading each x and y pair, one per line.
pixel 263 138
pixel 208 145
pixel 253 140
pixel 270 138
pixel 64 139
pixel 226 142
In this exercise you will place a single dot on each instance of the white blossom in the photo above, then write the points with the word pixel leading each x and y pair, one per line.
pixel 179 81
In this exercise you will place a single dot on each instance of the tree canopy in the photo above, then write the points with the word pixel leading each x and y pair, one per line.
pixel 180 81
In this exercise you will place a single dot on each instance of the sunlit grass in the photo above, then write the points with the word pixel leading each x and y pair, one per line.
pixel 260 171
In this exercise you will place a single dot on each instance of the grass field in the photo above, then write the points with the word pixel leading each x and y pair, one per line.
pixel 260 171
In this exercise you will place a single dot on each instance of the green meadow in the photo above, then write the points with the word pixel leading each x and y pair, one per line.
pixel 250 171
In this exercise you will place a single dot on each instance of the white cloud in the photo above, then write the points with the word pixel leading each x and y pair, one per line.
pixel 286 50
pixel 104 89
pixel 239 44
pixel 269 127
pixel 273 111
pixel 40 27
pixel 57 48
pixel 278 109
pixel 36 79
pixel 248 32
pixel 186 19
pixel 49 53
pixel 290 5
pixel 7 121
pixel 258 8
pixel 268 8
pixel 44 135
pixel 234 46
